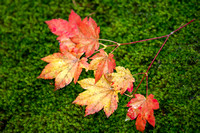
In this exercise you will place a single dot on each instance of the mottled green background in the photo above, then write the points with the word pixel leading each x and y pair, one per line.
pixel 28 104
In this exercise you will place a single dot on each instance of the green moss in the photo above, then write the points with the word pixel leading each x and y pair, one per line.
pixel 28 104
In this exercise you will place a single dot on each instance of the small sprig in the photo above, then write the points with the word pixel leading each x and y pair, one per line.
pixel 79 38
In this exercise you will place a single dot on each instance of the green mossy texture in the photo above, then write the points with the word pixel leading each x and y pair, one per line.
pixel 28 104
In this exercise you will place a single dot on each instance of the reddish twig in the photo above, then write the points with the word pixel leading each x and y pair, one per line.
pixel 139 41
pixel 158 53
pixel 146 84
pixel 151 64
pixel 116 47
pixel 151 38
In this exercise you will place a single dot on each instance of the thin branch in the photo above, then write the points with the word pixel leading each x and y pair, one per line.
pixel 159 52
pixel 138 41
pixel 108 41
pixel 146 85
pixel 116 47
pixel 182 26
pixel 151 63
pixel 153 38
pixel 144 40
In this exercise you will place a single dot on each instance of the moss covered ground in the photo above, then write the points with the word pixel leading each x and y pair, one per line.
pixel 28 104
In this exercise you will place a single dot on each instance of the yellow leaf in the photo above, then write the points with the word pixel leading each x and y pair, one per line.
pixel 63 67
pixel 123 79
pixel 98 96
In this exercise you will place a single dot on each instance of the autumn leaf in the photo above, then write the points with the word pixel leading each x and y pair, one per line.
pixel 98 96
pixel 64 30
pixel 58 26
pixel 62 27
pixel 81 35
pixel 102 63
pixel 87 38
pixel 142 108
pixel 122 79
pixel 146 114
pixel 63 67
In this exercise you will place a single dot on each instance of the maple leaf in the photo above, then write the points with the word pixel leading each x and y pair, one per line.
pixel 63 67
pixel 142 108
pixel 58 26
pixel 98 96
pixel 102 63
pixel 62 27
pixel 76 34
pixel 87 39
pixel 123 79
pixel 64 30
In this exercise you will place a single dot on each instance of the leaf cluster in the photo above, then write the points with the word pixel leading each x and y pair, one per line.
pixel 29 105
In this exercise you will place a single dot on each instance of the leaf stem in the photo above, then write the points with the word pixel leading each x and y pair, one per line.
pixel 107 41
pixel 104 46
pixel 128 95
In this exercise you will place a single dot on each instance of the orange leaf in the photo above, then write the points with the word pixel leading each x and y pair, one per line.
pixel 63 67
pixel 102 64
pixel 98 96
pixel 142 108
pixel 140 123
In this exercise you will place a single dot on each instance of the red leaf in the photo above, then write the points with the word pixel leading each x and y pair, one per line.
pixel 74 18
pixel 133 113
pixel 130 89
pixel 142 108
pixel 140 123
pixel 137 101
pixel 58 26
pixel 152 102
pixel 150 118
